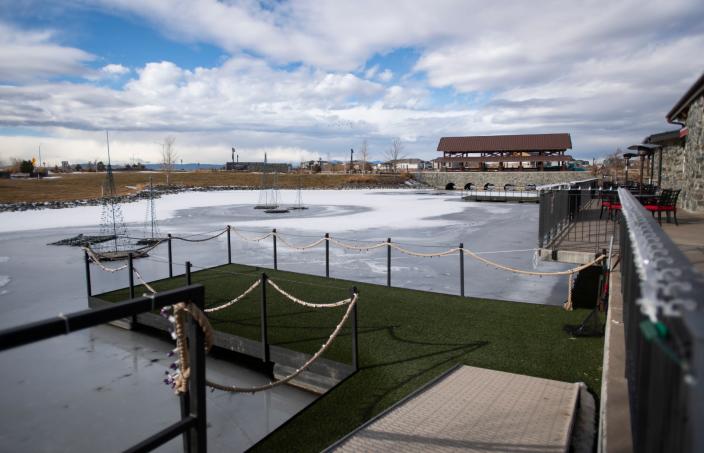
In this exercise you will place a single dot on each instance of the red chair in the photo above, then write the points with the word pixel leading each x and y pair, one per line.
pixel 667 203
pixel 614 209
pixel 607 199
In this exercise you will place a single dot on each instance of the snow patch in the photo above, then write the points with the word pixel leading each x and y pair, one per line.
pixel 4 280
pixel 4 259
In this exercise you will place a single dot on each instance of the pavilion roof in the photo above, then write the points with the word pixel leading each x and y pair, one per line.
pixel 489 143
pixel 505 159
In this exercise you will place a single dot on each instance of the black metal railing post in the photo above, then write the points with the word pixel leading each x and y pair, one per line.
pixel 388 262
pixel 355 346
pixel 264 327
pixel 462 269
pixel 130 269
pixel 188 272
pixel 229 246
pixel 195 421
pixel 171 259
pixel 196 382
pixel 276 265
pixel 327 255
pixel 89 289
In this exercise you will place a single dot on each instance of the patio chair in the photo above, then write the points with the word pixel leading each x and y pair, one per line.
pixel 667 203
pixel 607 199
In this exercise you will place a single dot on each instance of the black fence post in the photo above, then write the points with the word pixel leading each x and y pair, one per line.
pixel 264 329
pixel 276 266
pixel 355 349
pixel 130 268
pixel 171 260
pixel 388 262
pixel 88 285
pixel 188 272
pixel 462 269
pixel 196 382
pixel 229 246
pixel 327 255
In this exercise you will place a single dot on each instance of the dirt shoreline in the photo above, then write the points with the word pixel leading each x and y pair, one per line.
pixel 137 193
pixel 85 189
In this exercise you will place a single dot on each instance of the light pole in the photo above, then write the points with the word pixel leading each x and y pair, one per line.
pixel 351 159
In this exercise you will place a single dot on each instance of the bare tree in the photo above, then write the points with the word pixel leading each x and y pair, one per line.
pixel 168 156
pixel 614 164
pixel 364 155
pixel 394 153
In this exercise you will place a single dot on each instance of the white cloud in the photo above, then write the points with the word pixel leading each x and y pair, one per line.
pixel 30 55
pixel 371 72
pixel 115 69
pixel 386 75
pixel 607 72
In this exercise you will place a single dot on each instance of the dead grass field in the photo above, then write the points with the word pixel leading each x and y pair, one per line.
pixel 78 186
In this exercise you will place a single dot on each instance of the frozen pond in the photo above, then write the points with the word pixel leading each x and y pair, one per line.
pixel 66 392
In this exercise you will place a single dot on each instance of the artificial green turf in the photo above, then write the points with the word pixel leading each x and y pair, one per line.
pixel 406 338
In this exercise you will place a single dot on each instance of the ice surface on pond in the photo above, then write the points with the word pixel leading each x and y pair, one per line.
pixel 382 208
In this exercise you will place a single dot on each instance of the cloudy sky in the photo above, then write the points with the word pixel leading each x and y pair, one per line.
pixel 308 79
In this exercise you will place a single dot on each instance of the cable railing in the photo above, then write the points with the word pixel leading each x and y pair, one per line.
pixel 664 328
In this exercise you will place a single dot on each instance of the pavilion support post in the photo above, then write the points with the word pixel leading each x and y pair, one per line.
pixel 660 167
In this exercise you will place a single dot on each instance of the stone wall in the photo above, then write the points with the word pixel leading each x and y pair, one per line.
pixel 683 167
pixel 499 179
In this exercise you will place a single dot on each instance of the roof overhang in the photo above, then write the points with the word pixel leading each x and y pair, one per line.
pixel 679 111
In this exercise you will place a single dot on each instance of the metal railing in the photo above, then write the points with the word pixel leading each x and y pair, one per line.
pixel 561 209
pixel 663 309
pixel 193 414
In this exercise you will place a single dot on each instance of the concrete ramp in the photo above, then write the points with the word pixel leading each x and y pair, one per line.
pixel 474 409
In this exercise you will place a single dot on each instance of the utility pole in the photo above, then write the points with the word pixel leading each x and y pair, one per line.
pixel 351 159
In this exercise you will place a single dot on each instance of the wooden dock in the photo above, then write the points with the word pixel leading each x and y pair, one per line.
pixel 477 410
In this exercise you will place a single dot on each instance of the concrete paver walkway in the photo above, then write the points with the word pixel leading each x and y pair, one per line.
pixel 689 236
pixel 475 409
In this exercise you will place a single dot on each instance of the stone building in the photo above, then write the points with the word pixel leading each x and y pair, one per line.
pixel 682 151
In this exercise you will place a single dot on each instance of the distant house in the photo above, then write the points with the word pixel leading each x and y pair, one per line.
pixel 537 152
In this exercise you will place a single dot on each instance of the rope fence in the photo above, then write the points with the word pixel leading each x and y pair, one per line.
pixel 309 362
pixel 178 379
pixel 178 313
pixel 363 246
